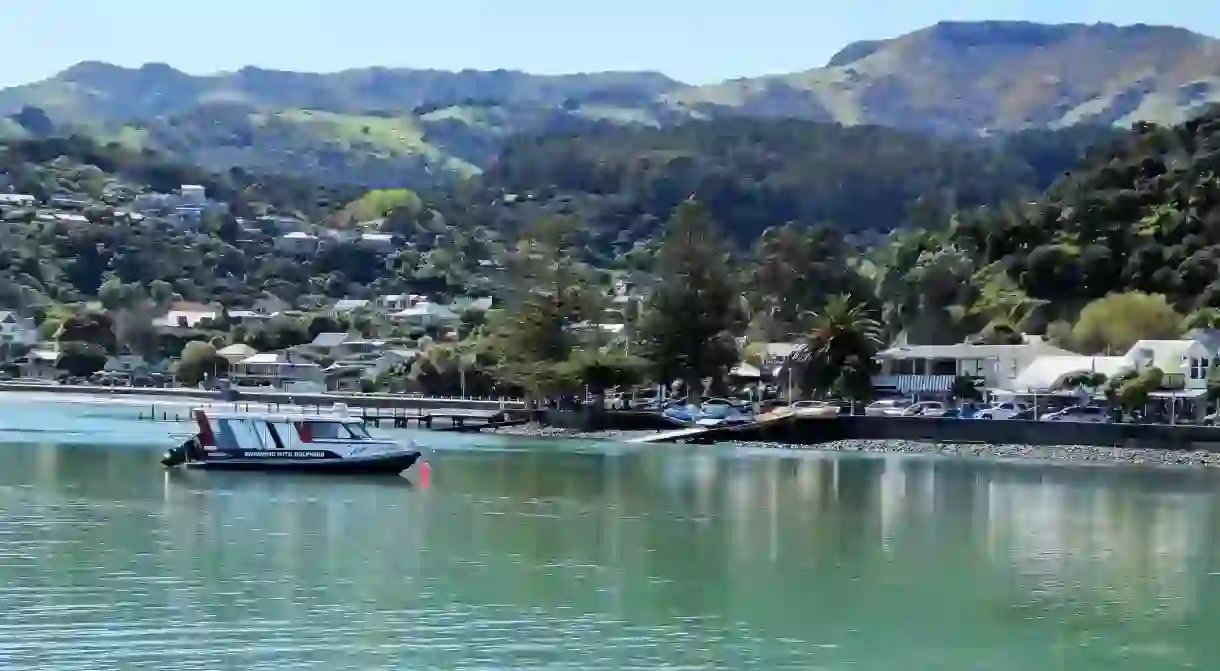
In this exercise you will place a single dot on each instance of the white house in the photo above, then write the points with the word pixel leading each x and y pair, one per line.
pixel 193 194
pixel 16 330
pixel 17 200
pixel 426 314
pixel 382 243
pixel 297 242
pixel 237 352
pixel 925 369
pixel 39 364
pixel 1185 363
pixel 186 315
pixel 276 369
pixel 247 317
pixel 348 305
pixel 391 303
pixel 465 303
pixel 270 305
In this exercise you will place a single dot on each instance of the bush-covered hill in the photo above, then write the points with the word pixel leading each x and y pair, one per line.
pixel 755 174
pixel 1143 215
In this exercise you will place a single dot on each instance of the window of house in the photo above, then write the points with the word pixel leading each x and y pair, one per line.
pixel 978 367
pixel 901 367
pixel 943 367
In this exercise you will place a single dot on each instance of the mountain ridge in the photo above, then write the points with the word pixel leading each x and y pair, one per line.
pixel 418 125
pixel 970 77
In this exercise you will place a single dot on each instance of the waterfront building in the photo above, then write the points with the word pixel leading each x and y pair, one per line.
pixel 932 369
pixel 277 369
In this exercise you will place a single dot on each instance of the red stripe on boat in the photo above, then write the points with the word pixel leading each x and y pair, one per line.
pixel 206 438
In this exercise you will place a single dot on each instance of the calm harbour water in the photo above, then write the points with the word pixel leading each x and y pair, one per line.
pixel 575 555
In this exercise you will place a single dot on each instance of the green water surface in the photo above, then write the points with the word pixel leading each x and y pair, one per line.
pixel 575 555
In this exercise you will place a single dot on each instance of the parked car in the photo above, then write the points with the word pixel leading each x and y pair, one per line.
pixel 926 409
pixel 681 414
pixel 1029 414
pixel 887 408
pixel 1005 410
pixel 717 411
pixel 1078 413
pixel 818 409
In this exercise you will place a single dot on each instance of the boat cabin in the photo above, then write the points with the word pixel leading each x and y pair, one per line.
pixel 263 432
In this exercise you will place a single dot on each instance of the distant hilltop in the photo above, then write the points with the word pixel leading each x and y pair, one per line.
pixel 417 126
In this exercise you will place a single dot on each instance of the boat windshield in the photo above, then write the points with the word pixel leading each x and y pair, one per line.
pixel 337 431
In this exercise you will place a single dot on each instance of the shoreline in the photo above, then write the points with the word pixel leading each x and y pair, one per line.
pixel 1073 454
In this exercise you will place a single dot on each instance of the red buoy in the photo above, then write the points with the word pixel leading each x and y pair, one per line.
pixel 424 474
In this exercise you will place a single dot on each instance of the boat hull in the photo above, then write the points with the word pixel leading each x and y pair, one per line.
pixel 395 462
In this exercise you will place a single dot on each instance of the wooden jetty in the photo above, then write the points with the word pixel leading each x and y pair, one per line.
pixel 672 436
pixel 779 428
pixel 437 419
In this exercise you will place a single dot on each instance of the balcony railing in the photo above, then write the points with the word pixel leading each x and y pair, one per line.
pixel 913 384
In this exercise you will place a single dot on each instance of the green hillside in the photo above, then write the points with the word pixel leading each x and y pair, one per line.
pixel 381 126
pixel 972 77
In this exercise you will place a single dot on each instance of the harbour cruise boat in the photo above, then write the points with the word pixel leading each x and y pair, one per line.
pixel 335 443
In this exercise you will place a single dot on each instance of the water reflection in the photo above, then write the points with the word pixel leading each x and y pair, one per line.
pixel 523 555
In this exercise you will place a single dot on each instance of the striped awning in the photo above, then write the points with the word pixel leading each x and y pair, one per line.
pixel 916 384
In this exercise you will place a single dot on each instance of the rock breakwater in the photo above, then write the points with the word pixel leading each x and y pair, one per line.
pixel 1071 453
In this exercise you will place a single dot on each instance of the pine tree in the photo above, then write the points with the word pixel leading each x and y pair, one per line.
pixel 551 290
pixel 687 329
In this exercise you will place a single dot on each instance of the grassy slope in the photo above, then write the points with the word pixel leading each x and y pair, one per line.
pixel 1006 76
pixel 366 136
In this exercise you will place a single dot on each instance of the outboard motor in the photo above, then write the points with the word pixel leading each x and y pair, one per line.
pixel 174 457
pixel 180 454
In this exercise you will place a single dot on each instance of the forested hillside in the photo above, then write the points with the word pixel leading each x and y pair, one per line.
pixel 977 245
pixel 1142 216
pixel 756 174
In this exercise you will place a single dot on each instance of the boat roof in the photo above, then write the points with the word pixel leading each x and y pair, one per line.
pixel 281 416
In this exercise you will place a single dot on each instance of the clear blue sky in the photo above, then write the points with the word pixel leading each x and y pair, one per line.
pixel 693 40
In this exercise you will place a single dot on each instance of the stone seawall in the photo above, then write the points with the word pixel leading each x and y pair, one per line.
pixel 991 432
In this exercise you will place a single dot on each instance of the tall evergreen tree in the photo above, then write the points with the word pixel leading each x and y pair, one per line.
pixel 551 290
pixel 687 329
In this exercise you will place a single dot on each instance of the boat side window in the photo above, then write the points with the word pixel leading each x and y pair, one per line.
pixel 333 431
pixel 280 432
pixel 238 434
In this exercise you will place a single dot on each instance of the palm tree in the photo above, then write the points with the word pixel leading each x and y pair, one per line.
pixel 837 353
pixel 843 325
